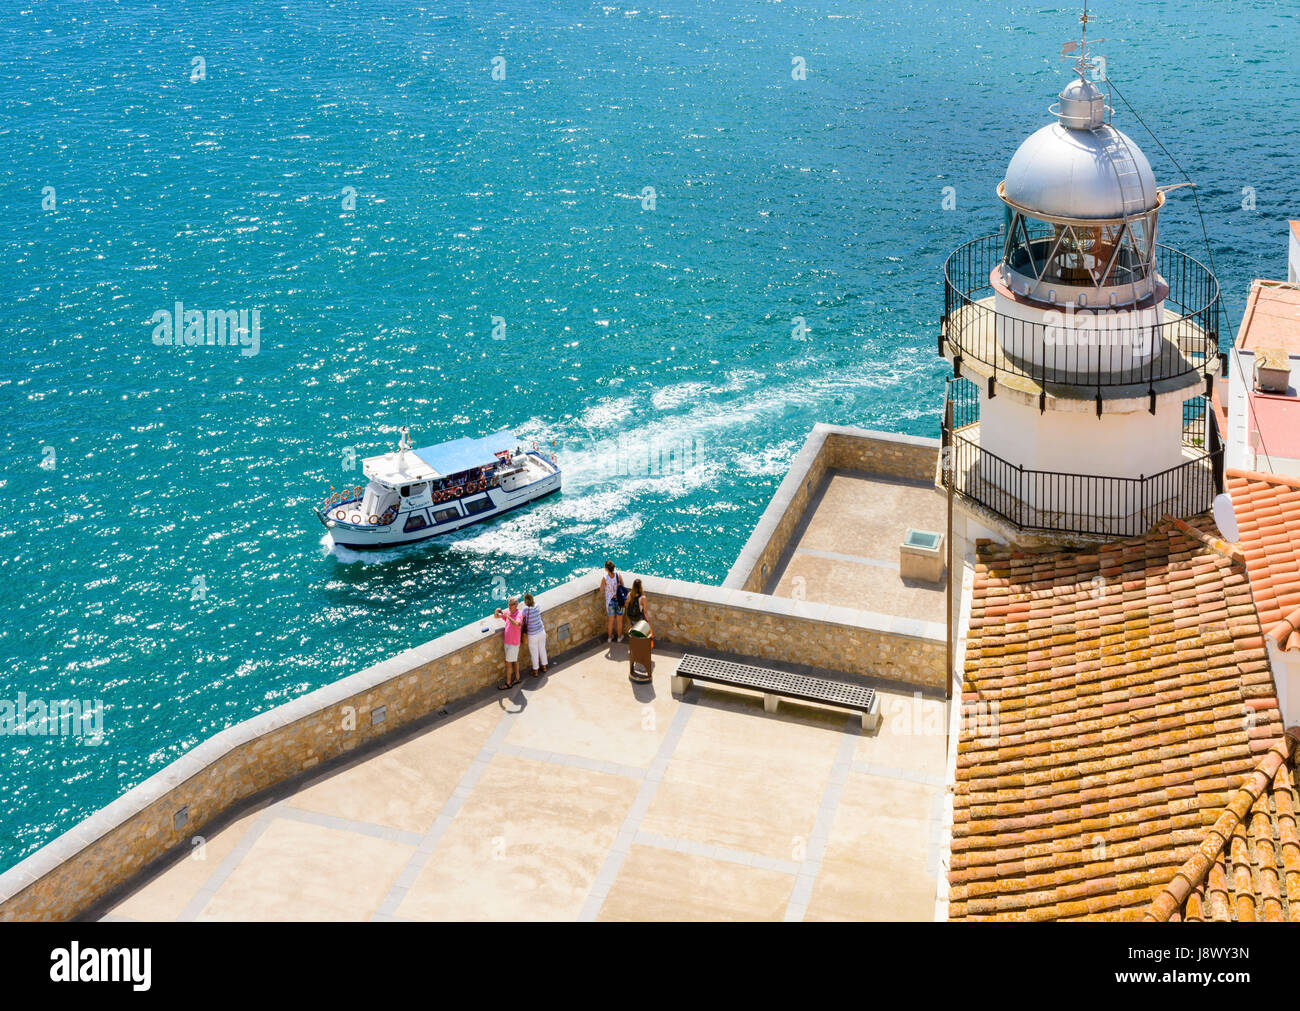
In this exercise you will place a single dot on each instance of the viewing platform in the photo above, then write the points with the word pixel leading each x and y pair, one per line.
pixel 580 798
pixel 846 546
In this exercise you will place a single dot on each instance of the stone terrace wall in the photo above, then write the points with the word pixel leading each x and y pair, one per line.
pixel 903 456
pixel 763 550
pixel 798 632
pixel 828 447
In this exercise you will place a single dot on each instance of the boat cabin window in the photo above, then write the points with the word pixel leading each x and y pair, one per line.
pixel 416 522
pixel 446 515
pixel 477 505
pixel 406 491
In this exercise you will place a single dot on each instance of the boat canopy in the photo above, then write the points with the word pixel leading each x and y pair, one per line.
pixel 467 454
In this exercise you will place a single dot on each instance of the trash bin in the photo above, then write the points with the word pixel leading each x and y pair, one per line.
pixel 640 650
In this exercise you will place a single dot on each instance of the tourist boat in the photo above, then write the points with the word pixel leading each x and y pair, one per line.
pixel 417 494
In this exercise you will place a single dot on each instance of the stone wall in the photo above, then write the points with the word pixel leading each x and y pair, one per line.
pixel 828 447
pixel 762 551
pixel 799 632
pixel 103 852
pixel 904 456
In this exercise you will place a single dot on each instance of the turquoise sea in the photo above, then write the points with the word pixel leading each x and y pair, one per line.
pixel 641 209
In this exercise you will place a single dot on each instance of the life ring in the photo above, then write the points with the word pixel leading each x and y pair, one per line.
pixel 358 491
pixel 338 515
pixel 356 517
pixel 374 520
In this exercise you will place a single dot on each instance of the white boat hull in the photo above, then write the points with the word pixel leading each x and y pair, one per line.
pixel 424 522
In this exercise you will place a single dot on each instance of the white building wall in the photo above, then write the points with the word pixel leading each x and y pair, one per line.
pixel 1293 258
pixel 1286 677
pixel 1241 370
pixel 1240 452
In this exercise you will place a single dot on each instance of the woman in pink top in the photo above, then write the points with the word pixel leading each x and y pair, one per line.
pixel 514 619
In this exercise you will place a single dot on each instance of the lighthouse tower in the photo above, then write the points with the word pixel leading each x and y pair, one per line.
pixel 1082 350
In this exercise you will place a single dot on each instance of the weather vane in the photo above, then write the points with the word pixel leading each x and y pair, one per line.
pixel 1081 64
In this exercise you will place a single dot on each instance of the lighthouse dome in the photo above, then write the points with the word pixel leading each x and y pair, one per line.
pixel 1080 167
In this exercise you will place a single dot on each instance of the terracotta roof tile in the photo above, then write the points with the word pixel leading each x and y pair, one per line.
pixel 1268 519
pixel 1116 700
pixel 1243 859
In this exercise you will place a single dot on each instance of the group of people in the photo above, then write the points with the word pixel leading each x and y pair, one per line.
pixel 520 622
pixel 620 603
pixel 484 475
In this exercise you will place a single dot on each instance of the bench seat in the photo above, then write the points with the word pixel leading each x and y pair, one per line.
pixel 776 685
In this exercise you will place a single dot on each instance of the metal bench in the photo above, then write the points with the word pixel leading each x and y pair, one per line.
pixel 775 684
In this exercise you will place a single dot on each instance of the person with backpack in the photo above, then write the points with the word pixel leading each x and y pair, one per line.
pixel 636 605
pixel 615 598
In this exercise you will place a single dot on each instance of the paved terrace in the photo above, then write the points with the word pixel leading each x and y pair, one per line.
pixel 845 548
pixel 583 797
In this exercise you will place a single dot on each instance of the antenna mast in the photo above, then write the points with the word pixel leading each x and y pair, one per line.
pixel 1083 46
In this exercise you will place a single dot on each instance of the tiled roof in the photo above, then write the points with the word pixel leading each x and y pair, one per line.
pixel 1268 519
pixel 1248 865
pixel 1116 699
pixel 1272 317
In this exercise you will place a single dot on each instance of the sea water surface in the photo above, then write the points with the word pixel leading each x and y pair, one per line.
pixel 644 238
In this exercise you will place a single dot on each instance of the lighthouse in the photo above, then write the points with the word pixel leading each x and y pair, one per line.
pixel 1082 349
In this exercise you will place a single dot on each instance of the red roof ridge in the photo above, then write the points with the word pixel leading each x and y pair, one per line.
pixel 1192 874
pixel 1286 633
pixel 1215 544
pixel 1256 475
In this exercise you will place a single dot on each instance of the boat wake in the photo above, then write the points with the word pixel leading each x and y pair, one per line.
pixel 350 556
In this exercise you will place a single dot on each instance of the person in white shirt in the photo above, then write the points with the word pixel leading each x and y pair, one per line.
pixel 535 631
pixel 611 582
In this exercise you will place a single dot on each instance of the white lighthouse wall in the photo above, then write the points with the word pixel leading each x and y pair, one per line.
pixel 1078 442
pixel 1067 338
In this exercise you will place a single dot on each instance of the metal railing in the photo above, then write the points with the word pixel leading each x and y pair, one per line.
pixel 1178 346
pixel 1065 503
